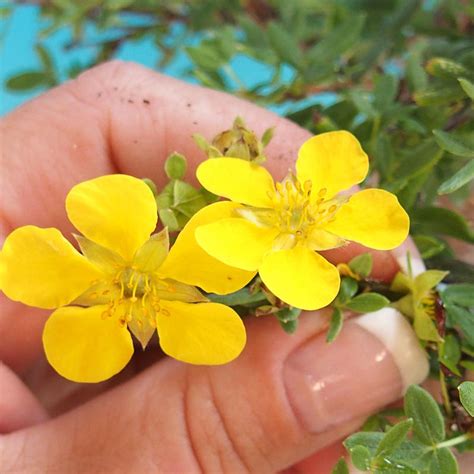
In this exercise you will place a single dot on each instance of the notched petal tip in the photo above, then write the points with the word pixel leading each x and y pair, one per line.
pixel 334 161
pixel 39 267
pixel 116 211
pixel 239 180
pixel 83 346
pixel 374 218
pixel 300 277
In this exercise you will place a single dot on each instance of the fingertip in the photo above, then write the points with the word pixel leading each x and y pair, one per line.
pixel 19 408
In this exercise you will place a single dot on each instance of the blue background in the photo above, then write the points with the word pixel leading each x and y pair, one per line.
pixel 19 34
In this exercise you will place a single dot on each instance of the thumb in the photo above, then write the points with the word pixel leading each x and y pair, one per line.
pixel 283 399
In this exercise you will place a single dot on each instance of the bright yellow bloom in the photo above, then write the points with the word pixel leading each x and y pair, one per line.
pixel 124 281
pixel 276 229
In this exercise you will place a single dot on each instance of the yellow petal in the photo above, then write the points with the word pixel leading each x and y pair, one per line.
pixel 237 180
pixel 333 161
pixel 116 211
pixel 236 242
pixel 202 333
pixel 300 277
pixel 373 218
pixel 82 346
pixel 39 267
pixel 205 271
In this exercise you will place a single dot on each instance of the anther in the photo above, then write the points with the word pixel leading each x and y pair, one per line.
pixel 322 192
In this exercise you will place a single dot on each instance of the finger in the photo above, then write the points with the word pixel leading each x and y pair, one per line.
pixel 116 117
pixel 321 462
pixel 18 406
pixel 282 400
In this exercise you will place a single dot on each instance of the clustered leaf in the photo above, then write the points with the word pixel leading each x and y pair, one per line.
pixel 416 444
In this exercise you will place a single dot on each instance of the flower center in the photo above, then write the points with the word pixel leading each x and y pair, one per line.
pixel 298 212
pixel 138 293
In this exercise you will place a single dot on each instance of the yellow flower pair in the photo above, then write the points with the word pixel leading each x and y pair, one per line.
pixel 128 281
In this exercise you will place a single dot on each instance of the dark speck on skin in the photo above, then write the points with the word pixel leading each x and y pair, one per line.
pixel 135 141
pixel 130 101
pixel 188 104
pixel 195 123
pixel 115 88
pixel 146 101
pixel 99 94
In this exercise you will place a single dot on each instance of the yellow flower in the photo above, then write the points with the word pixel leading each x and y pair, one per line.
pixel 276 229
pixel 124 281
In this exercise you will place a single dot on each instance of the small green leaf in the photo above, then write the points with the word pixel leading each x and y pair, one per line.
pixel 460 293
pixel 443 462
pixel 27 80
pixel 335 325
pixel 466 394
pixel 361 457
pixel 393 438
pixel 385 92
pixel 341 467
pixel 168 219
pixel 462 318
pixel 427 280
pixel 150 183
pixel 459 179
pixel 267 136
pixel 468 87
pixel 418 160
pixel 450 353
pixel 438 95
pixel 288 318
pixel 369 439
pixel 347 290
pixel 285 44
pixel 45 58
pixel 239 298
pixel 424 327
pixel 175 166
pixel 438 220
pixel 446 68
pixel 454 144
pixel 428 422
pixel 362 264
pixel 428 245
pixel 367 303
pixel 340 39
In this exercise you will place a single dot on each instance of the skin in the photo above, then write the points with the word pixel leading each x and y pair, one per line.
pixel 158 415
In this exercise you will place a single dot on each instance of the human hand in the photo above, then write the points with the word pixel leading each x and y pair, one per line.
pixel 286 398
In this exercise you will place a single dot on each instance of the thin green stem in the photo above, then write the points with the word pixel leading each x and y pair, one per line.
pixel 455 441
pixel 444 393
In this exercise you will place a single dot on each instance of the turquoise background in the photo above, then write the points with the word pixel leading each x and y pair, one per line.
pixel 20 32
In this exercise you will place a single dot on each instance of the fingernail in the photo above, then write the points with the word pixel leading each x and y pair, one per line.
pixel 408 251
pixel 371 363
